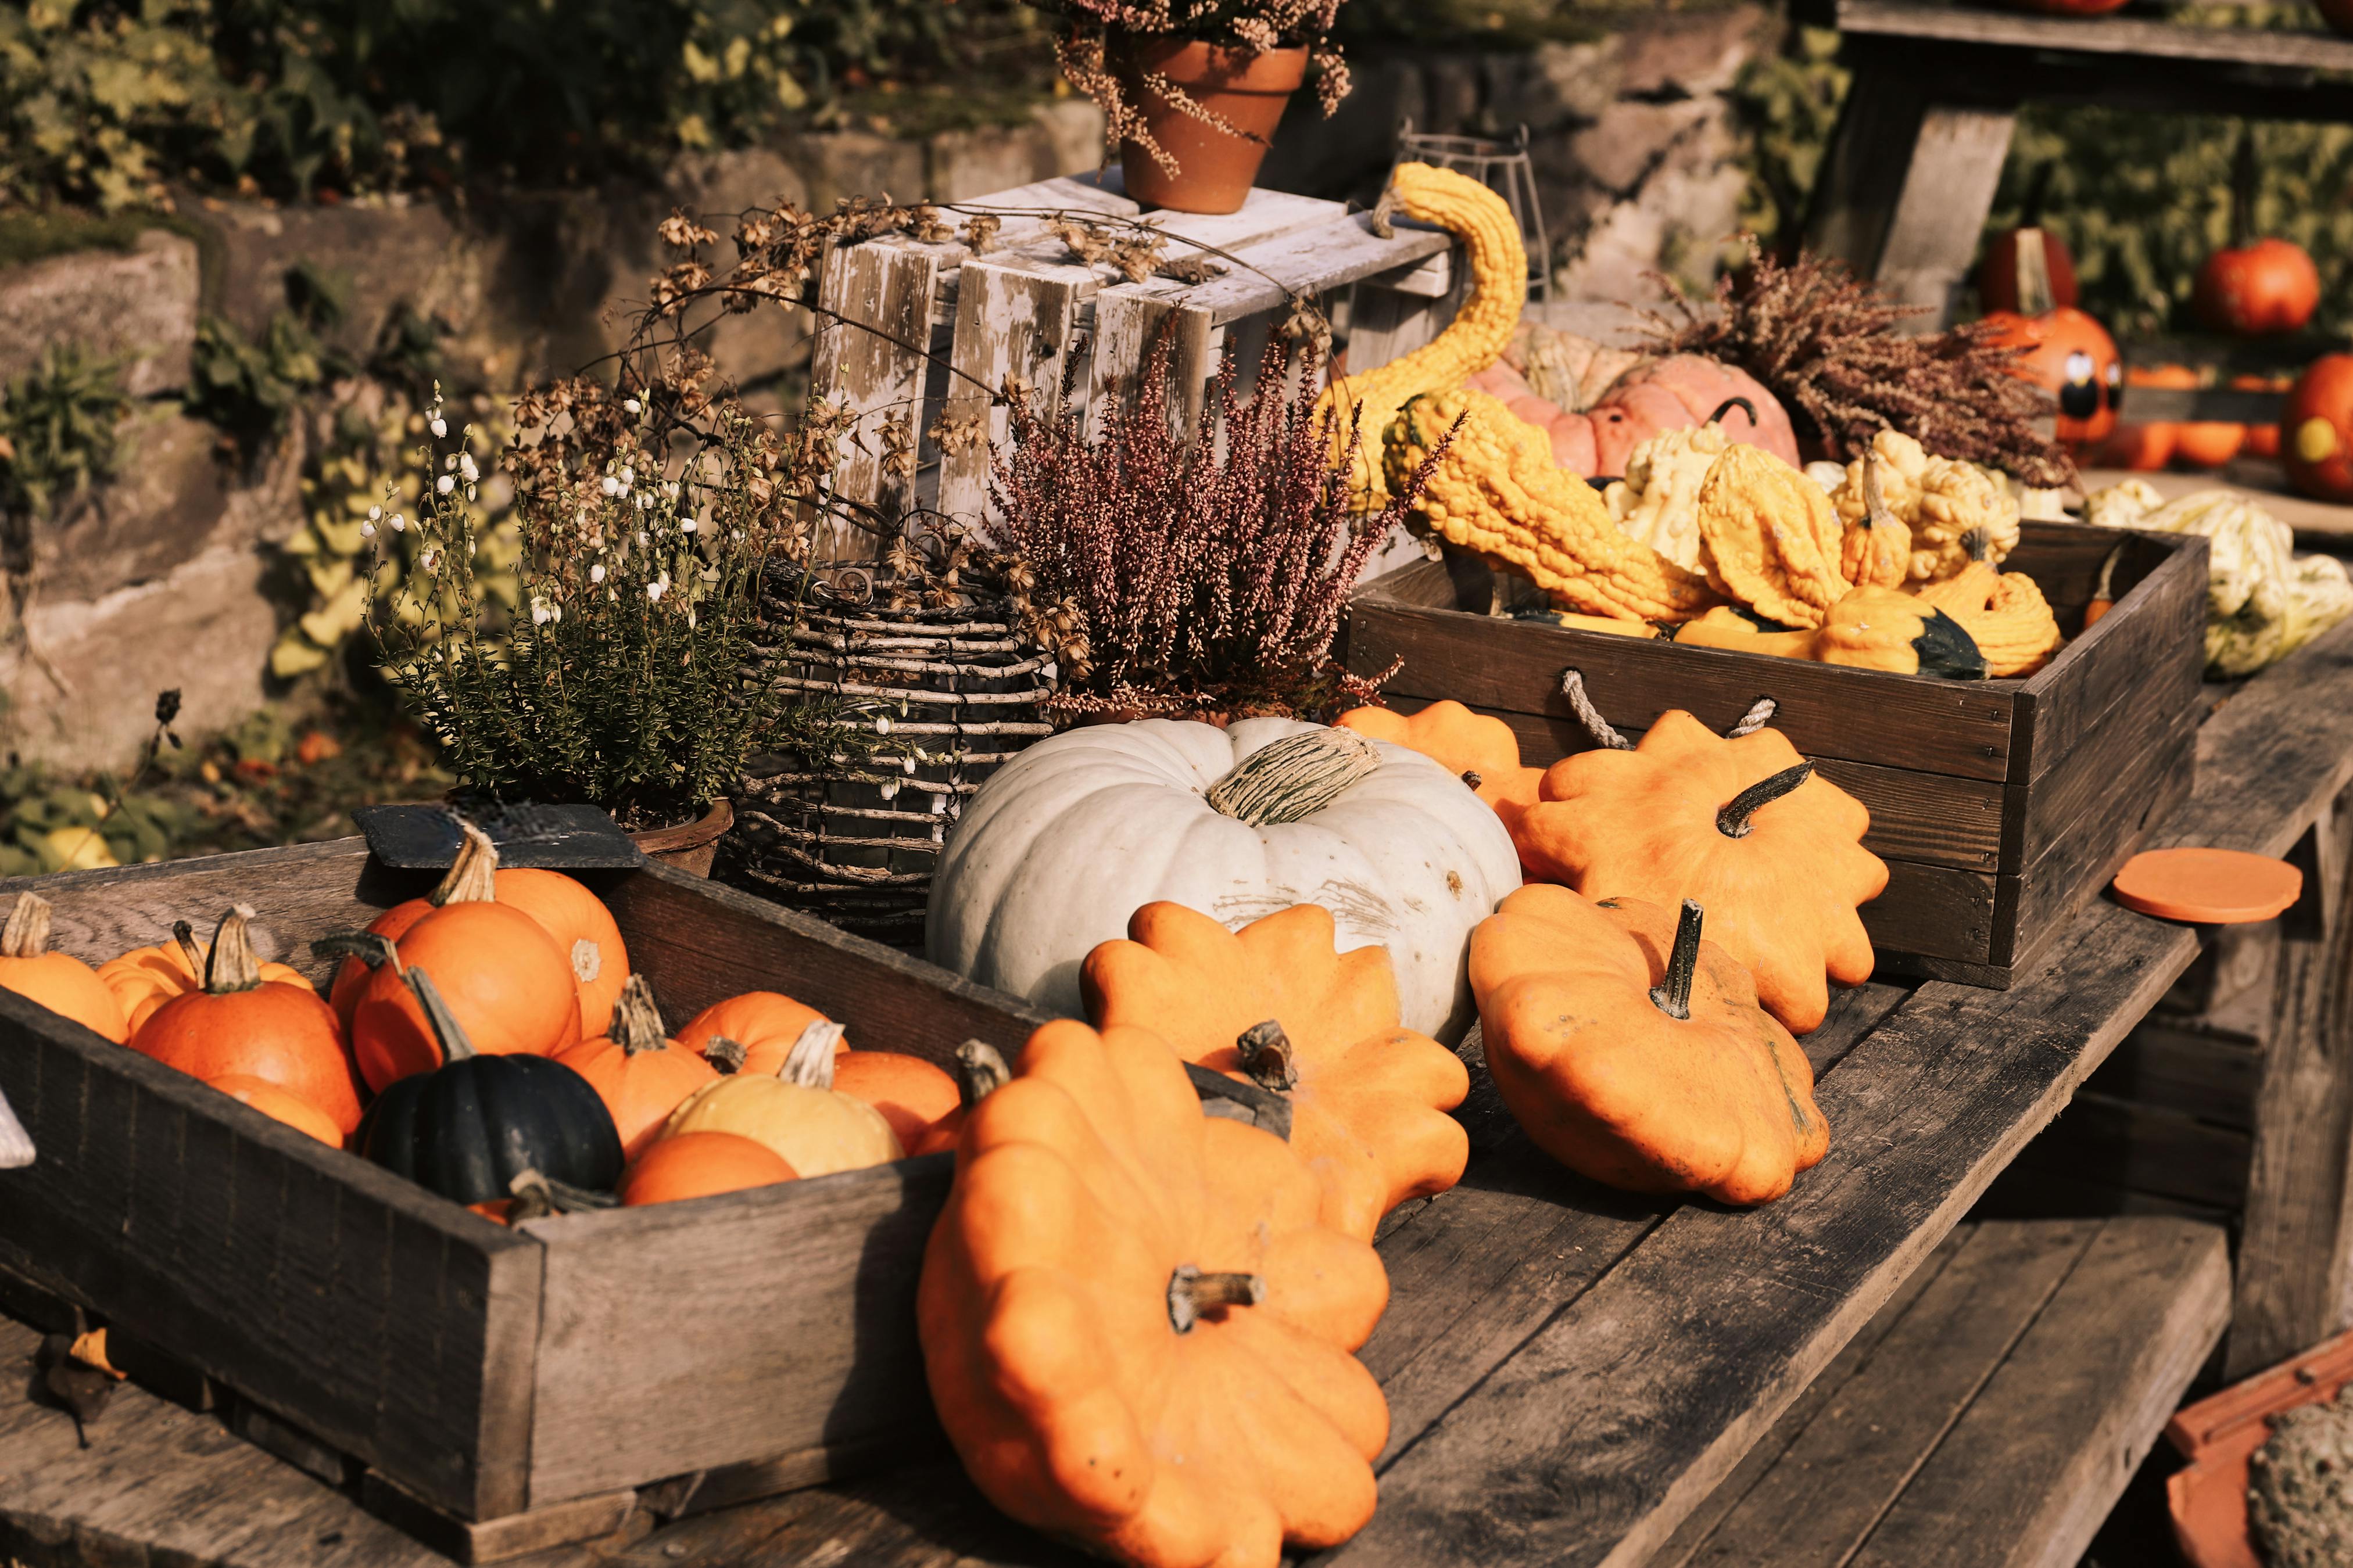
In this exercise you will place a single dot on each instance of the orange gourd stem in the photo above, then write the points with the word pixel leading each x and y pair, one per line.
pixel 637 1026
pixel 232 966
pixel 1672 997
pixel 1732 817
pixel 1192 1292
pixel 810 1061
pixel 2104 597
pixel 980 1071
pixel 473 876
pixel 1266 1054
pixel 26 934
pixel 371 948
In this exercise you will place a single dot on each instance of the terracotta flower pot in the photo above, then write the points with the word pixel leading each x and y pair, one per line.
pixel 1247 91
pixel 2218 1435
pixel 689 847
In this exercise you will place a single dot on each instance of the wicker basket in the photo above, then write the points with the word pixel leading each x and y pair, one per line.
pixel 853 835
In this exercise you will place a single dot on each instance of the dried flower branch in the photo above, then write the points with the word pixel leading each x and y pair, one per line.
pixel 1825 343
pixel 1174 576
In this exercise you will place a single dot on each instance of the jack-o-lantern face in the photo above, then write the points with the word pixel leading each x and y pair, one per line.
pixel 2071 356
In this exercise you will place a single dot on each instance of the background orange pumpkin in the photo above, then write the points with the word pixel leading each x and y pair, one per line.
pixel 767 1024
pixel 57 981
pixel 2071 356
pixel 2317 430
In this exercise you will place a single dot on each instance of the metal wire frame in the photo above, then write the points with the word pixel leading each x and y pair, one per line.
pixel 1502 167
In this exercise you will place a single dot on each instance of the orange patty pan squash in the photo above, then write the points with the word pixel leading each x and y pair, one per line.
pixel 1136 1331
pixel 1635 1053
pixel 1479 749
pixel 1773 852
pixel 1275 1004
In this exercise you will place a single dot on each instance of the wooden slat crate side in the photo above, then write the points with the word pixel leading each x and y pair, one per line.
pixel 769 1323
pixel 1935 912
pixel 698 941
pixel 1010 321
pixel 1916 723
pixel 367 1312
pixel 2149 649
pixel 2148 788
pixel 1127 324
pixel 875 325
pixel 2095 778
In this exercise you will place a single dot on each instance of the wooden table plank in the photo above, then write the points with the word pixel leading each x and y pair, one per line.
pixel 2123 38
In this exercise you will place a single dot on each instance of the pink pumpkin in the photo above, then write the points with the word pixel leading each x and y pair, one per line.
pixel 1652 397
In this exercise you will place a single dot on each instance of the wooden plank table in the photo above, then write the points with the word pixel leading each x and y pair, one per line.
pixel 1571 1371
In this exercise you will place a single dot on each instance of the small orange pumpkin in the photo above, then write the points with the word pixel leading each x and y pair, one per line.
pixel 1480 749
pixel 1137 1330
pixel 273 1102
pixel 582 926
pixel 146 977
pixel 767 1024
pixel 911 1094
pixel 242 1025
pixel 697 1164
pixel 1745 825
pixel 1276 1004
pixel 1635 1053
pixel 640 1076
pixel 57 981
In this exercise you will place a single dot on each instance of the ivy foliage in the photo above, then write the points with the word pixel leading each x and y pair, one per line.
pixel 59 425
pixel 106 102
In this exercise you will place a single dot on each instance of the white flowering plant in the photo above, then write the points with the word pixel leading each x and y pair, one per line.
pixel 614 672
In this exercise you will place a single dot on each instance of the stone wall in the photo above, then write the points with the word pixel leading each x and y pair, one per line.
pixel 1631 136
pixel 160 578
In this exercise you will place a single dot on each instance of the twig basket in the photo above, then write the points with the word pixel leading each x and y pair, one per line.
pixel 848 825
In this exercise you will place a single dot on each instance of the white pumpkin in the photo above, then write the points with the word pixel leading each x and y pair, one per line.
pixel 1059 848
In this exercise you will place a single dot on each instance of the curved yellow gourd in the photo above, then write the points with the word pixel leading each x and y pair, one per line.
pixel 1496 490
pixel 1475 338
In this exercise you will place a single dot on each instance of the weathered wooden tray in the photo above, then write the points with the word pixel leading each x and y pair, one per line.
pixel 503 1390
pixel 2001 807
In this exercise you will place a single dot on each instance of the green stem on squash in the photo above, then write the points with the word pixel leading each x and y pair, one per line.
pixel 1191 1293
pixel 1674 998
pixel 1267 1056
pixel 636 1024
pixel 980 1071
pixel 1291 779
pixel 455 1045
pixel 1732 821
pixel 27 935
pixel 232 966
pixel 810 1061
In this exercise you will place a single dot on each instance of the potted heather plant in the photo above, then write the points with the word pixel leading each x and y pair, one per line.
pixel 1191 90
pixel 1200 576
pixel 612 671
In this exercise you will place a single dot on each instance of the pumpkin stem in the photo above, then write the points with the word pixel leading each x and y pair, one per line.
pixel 810 1061
pixel 724 1053
pixel 980 1071
pixel 1192 1293
pixel 2036 296
pixel 371 948
pixel 1727 406
pixel 1874 500
pixel 1471 777
pixel 1268 1057
pixel 1732 820
pixel 1674 998
pixel 184 935
pixel 636 1024
pixel 473 876
pixel 455 1045
pixel 26 934
pixel 232 966
pixel 537 1197
pixel 1294 778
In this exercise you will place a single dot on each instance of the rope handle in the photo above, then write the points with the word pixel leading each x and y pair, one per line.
pixel 1580 702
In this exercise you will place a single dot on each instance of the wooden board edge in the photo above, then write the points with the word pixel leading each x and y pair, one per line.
pixel 474 1541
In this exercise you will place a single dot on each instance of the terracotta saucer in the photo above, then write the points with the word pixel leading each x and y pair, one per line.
pixel 2207 886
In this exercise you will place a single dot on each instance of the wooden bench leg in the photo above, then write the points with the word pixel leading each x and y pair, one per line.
pixel 2294 1249
pixel 1908 182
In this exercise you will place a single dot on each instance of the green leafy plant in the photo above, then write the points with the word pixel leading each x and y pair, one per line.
pixel 57 424
pixel 621 678
pixel 1785 104
pixel 252 389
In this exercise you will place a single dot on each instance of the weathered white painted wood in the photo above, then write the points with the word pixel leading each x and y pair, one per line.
pixel 1010 323
pixel 15 1143
pixel 1386 322
pixel 1310 261
pixel 1126 319
pixel 875 325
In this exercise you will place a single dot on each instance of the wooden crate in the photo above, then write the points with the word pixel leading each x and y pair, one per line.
pixel 2001 807
pixel 503 1389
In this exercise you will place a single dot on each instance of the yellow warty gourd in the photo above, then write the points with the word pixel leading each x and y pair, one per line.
pixel 1497 491
pixel 1769 538
pixel 1368 404
pixel 1939 500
